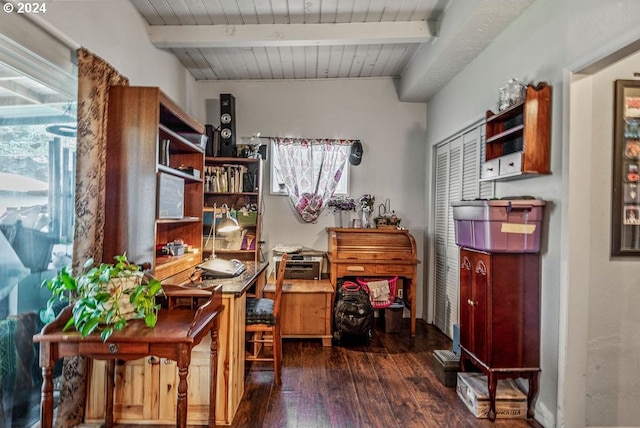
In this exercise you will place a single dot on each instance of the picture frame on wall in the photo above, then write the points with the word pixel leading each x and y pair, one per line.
pixel 625 201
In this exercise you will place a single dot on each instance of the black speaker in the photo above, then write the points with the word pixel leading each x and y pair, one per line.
pixel 227 125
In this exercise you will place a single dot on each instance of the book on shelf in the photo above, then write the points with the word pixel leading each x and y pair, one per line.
pixel 226 178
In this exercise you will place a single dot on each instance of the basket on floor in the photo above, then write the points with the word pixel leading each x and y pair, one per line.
pixel 380 304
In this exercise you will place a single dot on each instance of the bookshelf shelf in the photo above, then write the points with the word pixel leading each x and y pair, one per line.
pixel 237 183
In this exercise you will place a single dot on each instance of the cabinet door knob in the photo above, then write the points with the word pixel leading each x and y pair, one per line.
pixel 511 163
pixel 153 361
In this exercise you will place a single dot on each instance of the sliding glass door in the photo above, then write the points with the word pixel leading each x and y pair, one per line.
pixel 37 174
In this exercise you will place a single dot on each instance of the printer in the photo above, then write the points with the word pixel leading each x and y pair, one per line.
pixel 301 265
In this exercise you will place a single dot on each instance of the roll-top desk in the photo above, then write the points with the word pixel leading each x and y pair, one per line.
pixel 375 252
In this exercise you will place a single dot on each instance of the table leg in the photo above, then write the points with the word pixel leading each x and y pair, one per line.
pixel 46 402
pixel 464 360
pixel 531 395
pixel 181 417
pixel 412 288
pixel 213 379
pixel 493 386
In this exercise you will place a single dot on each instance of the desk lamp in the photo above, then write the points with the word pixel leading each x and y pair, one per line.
pixel 227 225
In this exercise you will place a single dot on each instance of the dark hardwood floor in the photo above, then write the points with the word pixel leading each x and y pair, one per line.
pixel 388 383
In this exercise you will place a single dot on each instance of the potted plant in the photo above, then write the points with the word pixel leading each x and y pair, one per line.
pixel 105 297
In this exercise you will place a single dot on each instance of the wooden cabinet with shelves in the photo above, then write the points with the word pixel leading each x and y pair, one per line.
pixel 233 183
pixel 518 139
pixel 150 138
pixel 500 317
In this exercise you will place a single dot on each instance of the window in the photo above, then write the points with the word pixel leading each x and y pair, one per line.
pixel 277 181
pixel 37 182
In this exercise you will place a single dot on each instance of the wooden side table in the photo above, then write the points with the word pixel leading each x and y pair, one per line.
pixel 307 308
pixel 174 336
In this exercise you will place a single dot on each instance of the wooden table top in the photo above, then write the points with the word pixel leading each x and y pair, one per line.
pixel 237 285
pixel 300 285
pixel 182 325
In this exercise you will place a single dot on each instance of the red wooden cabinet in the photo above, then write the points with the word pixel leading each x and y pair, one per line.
pixel 500 317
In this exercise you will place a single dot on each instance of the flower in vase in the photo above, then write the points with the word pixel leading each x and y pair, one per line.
pixel 341 203
pixel 366 202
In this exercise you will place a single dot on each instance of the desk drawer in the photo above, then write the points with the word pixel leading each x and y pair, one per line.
pixel 399 270
pixel 355 270
pixel 113 348
pixel 511 163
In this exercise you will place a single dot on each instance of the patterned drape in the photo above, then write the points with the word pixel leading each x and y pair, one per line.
pixel 95 77
pixel 311 170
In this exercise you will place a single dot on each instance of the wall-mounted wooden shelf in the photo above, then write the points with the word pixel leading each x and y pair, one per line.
pixel 518 139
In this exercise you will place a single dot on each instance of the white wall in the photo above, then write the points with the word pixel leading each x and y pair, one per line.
pixel 392 135
pixel 613 346
pixel 550 36
pixel 115 31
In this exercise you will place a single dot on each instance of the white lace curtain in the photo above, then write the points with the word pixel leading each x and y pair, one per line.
pixel 310 171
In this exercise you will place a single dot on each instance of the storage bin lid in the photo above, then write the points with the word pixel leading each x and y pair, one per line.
pixel 517 203
pixel 447 358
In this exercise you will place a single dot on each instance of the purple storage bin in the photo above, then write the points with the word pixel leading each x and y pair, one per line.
pixel 499 226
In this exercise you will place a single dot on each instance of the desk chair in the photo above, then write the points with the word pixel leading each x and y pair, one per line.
pixel 263 316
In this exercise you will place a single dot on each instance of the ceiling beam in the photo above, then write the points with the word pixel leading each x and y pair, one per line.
pixel 467 28
pixel 273 35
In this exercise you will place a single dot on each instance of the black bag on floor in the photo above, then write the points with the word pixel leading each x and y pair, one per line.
pixel 352 313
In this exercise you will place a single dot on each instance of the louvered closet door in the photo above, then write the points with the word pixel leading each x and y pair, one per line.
pixel 458 163
pixel 448 189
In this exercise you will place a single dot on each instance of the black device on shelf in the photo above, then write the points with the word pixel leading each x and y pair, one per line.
pixel 227 125
pixel 213 141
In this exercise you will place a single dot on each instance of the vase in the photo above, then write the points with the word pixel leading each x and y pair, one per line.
pixel 342 218
pixel 366 218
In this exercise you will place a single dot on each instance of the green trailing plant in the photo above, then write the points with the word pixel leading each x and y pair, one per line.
pixel 105 297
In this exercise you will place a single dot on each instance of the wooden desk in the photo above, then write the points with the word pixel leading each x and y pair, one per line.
pixel 174 336
pixel 306 308
pixel 375 252
pixel 133 401
pixel 231 335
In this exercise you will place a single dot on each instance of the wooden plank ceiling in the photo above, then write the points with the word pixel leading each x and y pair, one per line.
pixel 422 43
pixel 287 39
